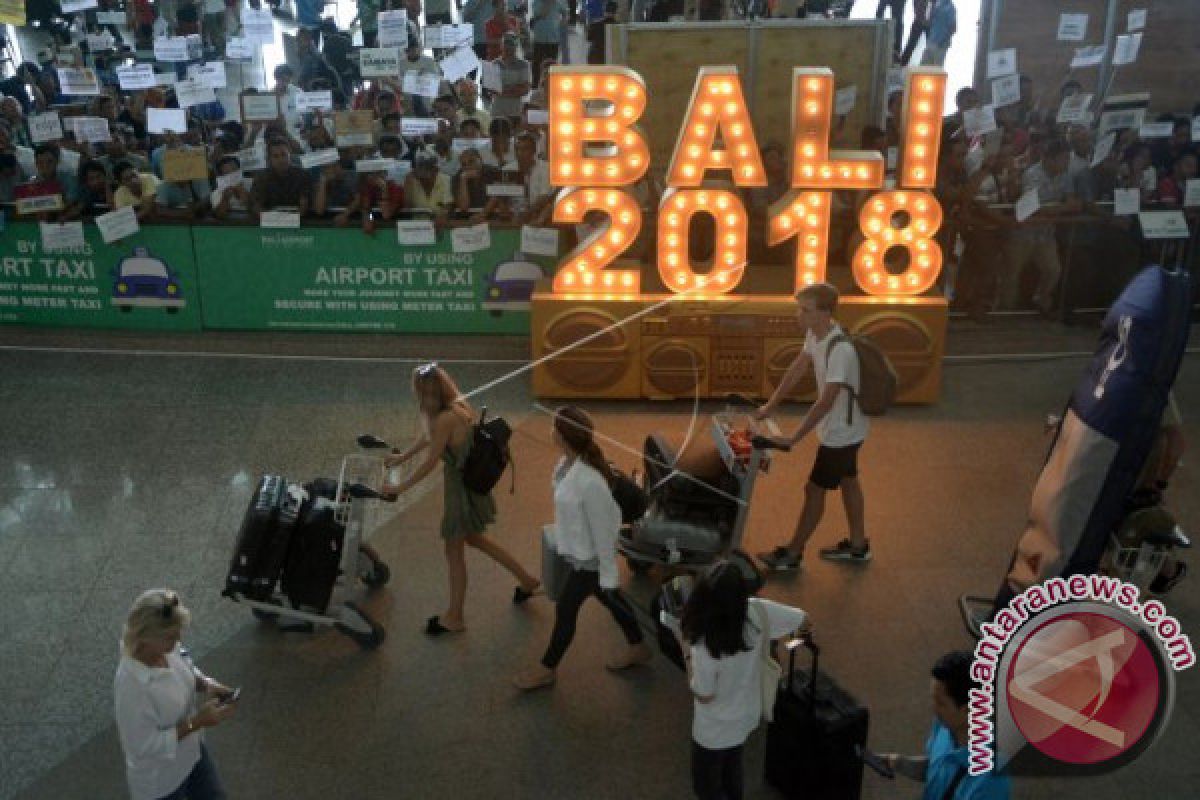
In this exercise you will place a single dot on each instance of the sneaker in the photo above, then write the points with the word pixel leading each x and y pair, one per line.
pixel 844 551
pixel 781 559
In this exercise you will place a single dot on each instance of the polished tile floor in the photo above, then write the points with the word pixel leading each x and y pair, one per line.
pixel 123 470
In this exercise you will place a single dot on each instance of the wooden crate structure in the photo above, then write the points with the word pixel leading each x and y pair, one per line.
pixel 669 56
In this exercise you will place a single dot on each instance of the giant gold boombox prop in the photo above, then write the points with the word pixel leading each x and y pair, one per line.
pixel 596 335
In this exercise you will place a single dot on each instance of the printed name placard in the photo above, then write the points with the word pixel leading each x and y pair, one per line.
pixel 257 26
pixel 505 190
pixel 279 219
pixel 110 17
pixel 1092 56
pixel 418 126
pixel 539 241
pixel 1163 224
pixel 1136 20
pixel 78 81
pixel 490 77
pixel 354 128
pixel 1126 202
pixel 1002 62
pixel 1027 205
pixel 379 62
pixel 260 107
pixel 1072 27
pixel 192 92
pixel 537 116
pixel 1006 91
pixel 253 159
pixel 210 74
pixel 116 225
pixel 65 236
pixel 979 121
pixel 171 50
pixel 320 158
pixel 230 179
pixel 39 203
pixel 459 63
pixel 471 239
pixel 442 36
pixel 1073 108
pixel 1126 52
pixel 314 101
pixel 416 232
pixel 459 145
pixel 73 6
pixel 138 76
pixel 239 48
pixel 393 28
pixel 1155 130
pixel 91 129
pixel 374 164
pixel 163 120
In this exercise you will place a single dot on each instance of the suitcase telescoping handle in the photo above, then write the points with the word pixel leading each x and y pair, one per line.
pixel 804 640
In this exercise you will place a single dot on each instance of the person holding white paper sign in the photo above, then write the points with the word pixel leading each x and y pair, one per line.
pixel 281 185
pixel 1034 240
pixel 93 195
pixel 137 189
pixel 516 78
pixel 48 181
pixel 427 189
pixel 233 197
pixel 471 201
pixel 535 175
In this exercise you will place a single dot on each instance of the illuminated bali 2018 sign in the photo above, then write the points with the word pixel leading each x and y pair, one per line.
pixel 596 150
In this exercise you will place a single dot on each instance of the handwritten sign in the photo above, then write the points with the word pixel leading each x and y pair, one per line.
pixel 257 25
pixel 279 219
pixel 1073 108
pixel 45 127
pixel 314 101
pixel 78 81
pixel 539 241
pixel 460 63
pixel 1136 20
pixel 444 36
pixel 138 76
pixel 1104 147
pixel 423 84
pixel 116 225
pixel 185 165
pixel 979 121
pixel 239 48
pixel 1091 56
pixel 1128 45
pixel 354 128
pixel 416 232
pixel 91 129
pixel 260 107
pixel 1006 91
pixel 320 158
pixel 393 28
pixel 418 126
pixel 379 62
pixel 191 92
pixel 1163 224
pixel 1002 62
pixel 163 120
pixel 1027 205
pixel 253 159
pixel 1072 27
pixel 58 237
pixel 471 239
pixel 1126 202
pixel 210 74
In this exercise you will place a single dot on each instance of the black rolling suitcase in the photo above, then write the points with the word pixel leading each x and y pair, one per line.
pixel 263 540
pixel 315 556
pixel 811 742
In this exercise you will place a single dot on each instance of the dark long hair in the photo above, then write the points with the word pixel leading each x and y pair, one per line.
pixel 715 612
pixel 575 427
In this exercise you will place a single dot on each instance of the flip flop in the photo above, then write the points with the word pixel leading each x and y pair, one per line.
pixel 434 627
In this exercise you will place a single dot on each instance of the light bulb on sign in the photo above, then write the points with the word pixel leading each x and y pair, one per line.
pixel 878 221
pixel 704 121
pixel 624 220
pixel 813 165
pixel 573 124
pixel 674 258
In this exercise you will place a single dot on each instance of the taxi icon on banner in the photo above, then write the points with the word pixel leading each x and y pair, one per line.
pixel 510 285
pixel 142 280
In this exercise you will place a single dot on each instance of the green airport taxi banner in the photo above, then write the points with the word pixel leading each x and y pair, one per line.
pixel 144 281
pixel 340 279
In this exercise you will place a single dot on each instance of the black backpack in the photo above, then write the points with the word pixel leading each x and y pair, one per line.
pixel 489 455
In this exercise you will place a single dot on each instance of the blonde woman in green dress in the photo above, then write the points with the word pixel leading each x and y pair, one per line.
pixel 446 421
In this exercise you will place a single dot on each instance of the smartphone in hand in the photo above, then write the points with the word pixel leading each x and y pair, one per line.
pixel 873 761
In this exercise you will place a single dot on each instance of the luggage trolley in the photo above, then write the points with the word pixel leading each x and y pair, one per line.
pixel 693 521
pixel 273 530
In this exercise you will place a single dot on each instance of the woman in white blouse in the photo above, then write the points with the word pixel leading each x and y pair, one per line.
pixel 163 703
pixel 587 521
pixel 723 640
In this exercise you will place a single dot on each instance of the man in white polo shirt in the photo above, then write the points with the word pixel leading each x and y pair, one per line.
pixel 840 424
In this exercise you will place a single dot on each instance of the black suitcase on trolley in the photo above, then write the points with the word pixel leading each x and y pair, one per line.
pixel 315 557
pixel 263 540
pixel 811 743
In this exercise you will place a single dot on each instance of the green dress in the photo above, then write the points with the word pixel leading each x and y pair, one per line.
pixel 463 512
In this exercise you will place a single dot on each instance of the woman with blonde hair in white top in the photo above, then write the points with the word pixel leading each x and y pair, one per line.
pixel 587 521
pixel 163 704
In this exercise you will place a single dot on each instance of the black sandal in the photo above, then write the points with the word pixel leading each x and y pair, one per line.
pixel 520 596
pixel 434 627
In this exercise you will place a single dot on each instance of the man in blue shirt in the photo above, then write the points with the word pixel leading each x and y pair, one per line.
pixel 943 22
pixel 943 768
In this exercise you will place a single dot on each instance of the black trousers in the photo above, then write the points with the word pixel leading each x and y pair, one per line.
pixel 580 584
pixel 897 7
pixel 717 774
pixel 915 33
pixel 542 51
